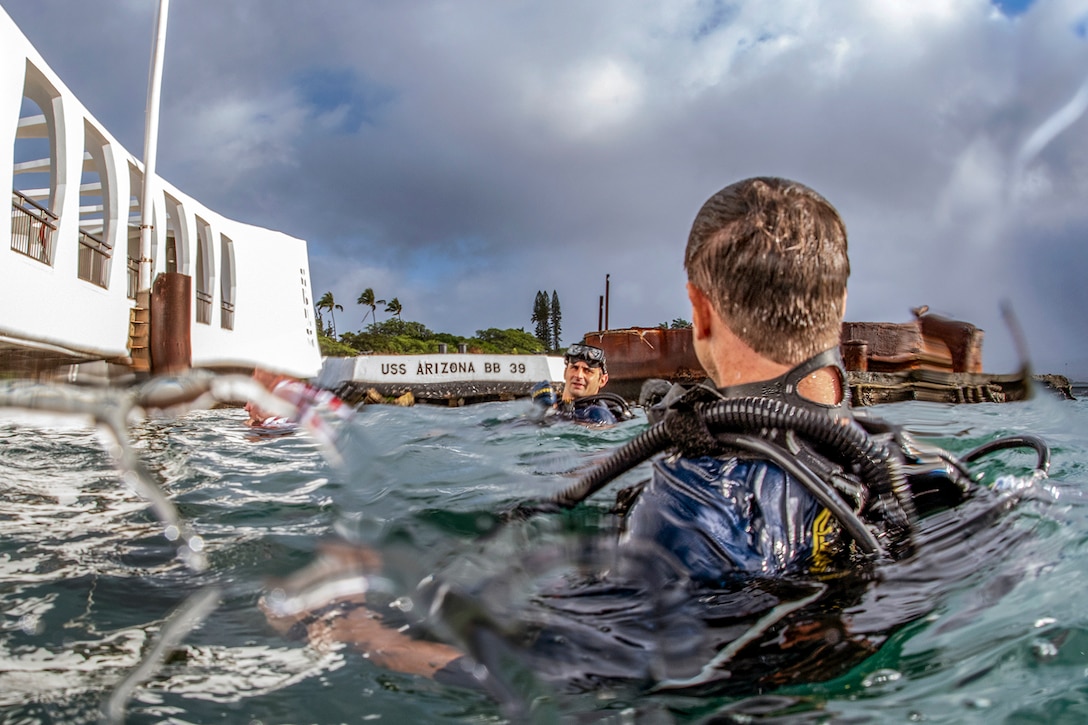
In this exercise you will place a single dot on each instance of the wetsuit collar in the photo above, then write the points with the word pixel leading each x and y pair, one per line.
pixel 784 387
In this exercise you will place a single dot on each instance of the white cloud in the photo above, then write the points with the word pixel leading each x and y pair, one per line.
pixel 592 97
pixel 975 197
pixel 235 136
pixel 569 140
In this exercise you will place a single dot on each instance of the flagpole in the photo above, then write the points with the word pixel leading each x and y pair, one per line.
pixel 151 143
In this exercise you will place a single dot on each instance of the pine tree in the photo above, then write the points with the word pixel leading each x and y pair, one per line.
pixel 557 319
pixel 542 318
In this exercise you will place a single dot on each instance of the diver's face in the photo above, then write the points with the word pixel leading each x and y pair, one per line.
pixel 583 379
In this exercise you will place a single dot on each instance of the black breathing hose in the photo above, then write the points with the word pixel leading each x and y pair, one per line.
pixel 746 414
pixel 877 466
pixel 640 448
pixel 1042 451
pixel 728 420
pixel 820 489
pixel 610 400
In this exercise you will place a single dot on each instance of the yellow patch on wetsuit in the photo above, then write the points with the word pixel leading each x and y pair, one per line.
pixel 824 533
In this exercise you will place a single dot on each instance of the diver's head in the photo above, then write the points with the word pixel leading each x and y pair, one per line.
pixel 770 256
pixel 585 372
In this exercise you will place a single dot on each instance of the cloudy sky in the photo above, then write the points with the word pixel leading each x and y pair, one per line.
pixel 462 154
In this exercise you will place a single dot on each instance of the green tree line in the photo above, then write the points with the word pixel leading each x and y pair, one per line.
pixel 396 335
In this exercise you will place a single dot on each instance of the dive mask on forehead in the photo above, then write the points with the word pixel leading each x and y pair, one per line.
pixel 593 356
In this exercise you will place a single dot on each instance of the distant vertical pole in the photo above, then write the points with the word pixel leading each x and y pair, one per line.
pixel 151 143
pixel 600 312
pixel 607 294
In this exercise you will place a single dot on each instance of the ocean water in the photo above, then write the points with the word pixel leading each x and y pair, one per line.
pixel 102 620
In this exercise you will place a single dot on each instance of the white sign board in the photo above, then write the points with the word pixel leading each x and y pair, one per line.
pixel 440 369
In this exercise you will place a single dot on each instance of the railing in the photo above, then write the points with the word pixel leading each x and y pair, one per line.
pixel 94 257
pixel 226 315
pixel 32 227
pixel 133 277
pixel 203 307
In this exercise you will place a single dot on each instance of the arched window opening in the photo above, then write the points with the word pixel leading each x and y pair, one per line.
pixel 226 283
pixel 204 273
pixel 171 252
pixel 33 189
pixel 95 250
pixel 177 258
pixel 135 218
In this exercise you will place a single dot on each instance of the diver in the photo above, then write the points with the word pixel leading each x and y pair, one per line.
pixel 767 269
pixel 766 476
pixel 584 374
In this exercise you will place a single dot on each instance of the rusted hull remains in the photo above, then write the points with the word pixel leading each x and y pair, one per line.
pixel 637 354
pixel 936 386
pixel 930 358
pixel 929 342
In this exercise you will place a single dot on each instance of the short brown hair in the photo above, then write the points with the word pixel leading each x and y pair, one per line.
pixel 770 255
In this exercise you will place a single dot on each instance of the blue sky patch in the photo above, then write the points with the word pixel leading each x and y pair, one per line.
pixel 718 13
pixel 1013 8
pixel 327 90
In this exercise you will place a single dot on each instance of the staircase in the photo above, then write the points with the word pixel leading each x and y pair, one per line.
pixel 139 333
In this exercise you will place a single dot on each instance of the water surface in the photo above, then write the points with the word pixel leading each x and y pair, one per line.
pixel 88 581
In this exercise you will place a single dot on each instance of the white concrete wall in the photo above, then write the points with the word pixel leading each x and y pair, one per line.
pixel 440 369
pixel 50 305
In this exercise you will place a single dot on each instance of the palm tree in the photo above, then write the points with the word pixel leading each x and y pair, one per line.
pixel 394 307
pixel 367 300
pixel 328 303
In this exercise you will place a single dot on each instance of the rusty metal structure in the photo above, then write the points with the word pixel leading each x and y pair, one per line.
pixel 930 358
pixel 928 342
pixel 636 354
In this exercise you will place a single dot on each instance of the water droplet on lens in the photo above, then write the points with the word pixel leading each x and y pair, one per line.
pixel 31 624
pixel 881 677
pixel 1044 649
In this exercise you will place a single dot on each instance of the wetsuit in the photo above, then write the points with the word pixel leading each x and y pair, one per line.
pixel 583 410
pixel 735 514
pixel 600 409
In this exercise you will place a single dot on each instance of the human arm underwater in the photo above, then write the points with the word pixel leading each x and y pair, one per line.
pixel 326 604
pixel 350 621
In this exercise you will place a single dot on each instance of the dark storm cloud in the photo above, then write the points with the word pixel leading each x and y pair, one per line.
pixel 461 156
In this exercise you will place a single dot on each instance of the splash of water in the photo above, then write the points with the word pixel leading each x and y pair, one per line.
pixel 113 410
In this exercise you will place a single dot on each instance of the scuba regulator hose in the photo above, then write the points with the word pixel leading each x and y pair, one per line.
pixel 707 428
pixel 1042 451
